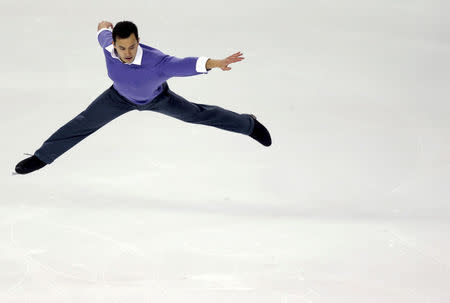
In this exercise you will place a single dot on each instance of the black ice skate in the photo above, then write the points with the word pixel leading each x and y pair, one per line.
pixel 260 133
pixel 29 165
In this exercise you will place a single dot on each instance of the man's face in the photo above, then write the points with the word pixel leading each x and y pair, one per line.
pixel 126 48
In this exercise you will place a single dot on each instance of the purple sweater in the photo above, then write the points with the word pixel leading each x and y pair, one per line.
pixel 140 81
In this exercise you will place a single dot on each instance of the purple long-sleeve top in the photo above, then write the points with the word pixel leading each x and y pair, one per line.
pixel 141 80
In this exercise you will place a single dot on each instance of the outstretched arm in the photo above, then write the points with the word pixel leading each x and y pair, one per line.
pixel 223 64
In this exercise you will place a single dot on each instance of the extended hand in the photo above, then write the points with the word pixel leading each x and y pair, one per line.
pixel 223 64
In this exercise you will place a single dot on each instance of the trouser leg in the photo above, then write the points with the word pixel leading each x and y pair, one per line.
pixel 102 110
pixel 172 104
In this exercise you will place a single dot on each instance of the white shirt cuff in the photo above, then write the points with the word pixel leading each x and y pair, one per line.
pixel 201 65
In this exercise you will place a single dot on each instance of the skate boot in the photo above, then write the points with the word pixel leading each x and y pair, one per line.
pixel 29 165
pixel 260 133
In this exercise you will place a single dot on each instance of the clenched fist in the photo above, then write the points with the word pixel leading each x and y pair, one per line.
pixel 105 24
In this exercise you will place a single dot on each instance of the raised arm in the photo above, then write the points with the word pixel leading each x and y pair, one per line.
pixel 104 39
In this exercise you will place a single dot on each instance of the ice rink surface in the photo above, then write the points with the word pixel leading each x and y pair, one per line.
pixel 350 204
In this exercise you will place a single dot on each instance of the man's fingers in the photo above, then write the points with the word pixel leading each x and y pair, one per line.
pixel 235 58
pixel 236 54
pixel 230 60
pixel 106 23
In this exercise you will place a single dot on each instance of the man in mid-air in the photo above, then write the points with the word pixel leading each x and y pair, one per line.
pixel 139 73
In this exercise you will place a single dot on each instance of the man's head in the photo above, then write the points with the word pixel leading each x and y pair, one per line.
pixel 126 40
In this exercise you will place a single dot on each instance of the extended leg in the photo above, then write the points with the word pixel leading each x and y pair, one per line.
pixel 102 110
pixel 178 107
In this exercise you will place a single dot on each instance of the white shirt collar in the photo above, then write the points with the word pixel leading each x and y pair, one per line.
pixel 137 60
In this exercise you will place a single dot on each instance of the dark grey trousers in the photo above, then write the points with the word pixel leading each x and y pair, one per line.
pixel 110 105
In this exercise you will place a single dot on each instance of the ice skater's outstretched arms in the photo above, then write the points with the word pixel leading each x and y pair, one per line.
pixel 170 60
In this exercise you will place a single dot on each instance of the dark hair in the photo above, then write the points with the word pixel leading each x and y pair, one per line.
pixel 124 29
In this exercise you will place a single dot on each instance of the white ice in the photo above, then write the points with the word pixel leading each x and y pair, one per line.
pixel 350 204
